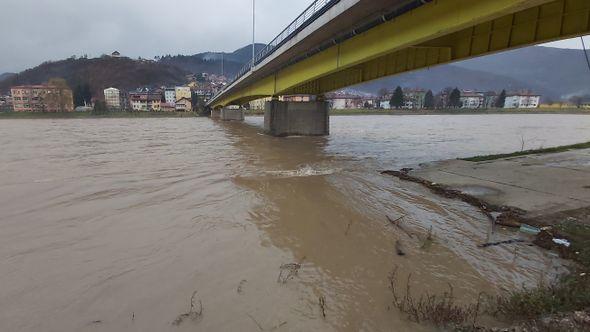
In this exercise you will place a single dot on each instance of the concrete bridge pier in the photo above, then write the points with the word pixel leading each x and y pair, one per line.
pixel 232 113
pixel 285 118
pixel 216 114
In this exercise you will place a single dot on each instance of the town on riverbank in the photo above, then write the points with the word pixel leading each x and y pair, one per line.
pixel 59 96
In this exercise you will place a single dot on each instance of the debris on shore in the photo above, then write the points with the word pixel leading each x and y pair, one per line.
pixel 399 249
pixel 322 304
pixel 493 244
pixel 288 272
pixel 560 306
pixel 195 312
pixel 507 214
pixel 397 223
pixel 546 237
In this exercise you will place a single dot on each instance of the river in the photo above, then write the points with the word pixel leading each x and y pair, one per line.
pixel 113 224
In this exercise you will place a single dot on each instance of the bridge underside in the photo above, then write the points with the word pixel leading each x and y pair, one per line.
pixel 439 32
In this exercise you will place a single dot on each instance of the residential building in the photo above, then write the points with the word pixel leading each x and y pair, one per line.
pixel 259 104
pixel 145 101
pixel 205 93
pixel 472 99
pixel 170 95
pixel 115 54
pixel 344 100
pixel 184 105
pixel 167 107
pixel 182 92
pixel 42 98
pixel 522 100
pixel 297 98
pixel 414 98
pixel 112 98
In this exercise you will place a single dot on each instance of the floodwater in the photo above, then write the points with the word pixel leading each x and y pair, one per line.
pixel 113 224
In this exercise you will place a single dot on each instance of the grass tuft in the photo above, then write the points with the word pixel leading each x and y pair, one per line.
pixel 440 310
pixel 571 293
pixel 529 152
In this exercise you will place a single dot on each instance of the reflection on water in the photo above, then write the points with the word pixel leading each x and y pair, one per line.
pixel 112 224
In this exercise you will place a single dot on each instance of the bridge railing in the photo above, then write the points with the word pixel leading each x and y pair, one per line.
pixel 315 10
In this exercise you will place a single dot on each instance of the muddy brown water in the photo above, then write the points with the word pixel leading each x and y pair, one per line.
pixel 112 224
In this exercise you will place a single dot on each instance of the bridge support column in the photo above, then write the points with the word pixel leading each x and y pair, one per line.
pixel 284 118
pixel 216 114
pixel 232 114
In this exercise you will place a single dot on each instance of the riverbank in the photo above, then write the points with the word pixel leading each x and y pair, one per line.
pixel 544 196
pixel 344 112
pixel 90 115
pixel 334 112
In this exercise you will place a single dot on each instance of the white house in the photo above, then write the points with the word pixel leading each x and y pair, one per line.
pixel 112 97
pixel 170 95
pixel 522 100
pixel 472 99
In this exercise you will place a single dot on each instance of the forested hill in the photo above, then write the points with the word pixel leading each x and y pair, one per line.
pixel 100 73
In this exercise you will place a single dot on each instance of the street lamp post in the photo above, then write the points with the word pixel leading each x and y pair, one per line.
pixel 253 32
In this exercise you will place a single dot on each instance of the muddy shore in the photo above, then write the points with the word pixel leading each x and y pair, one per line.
pixel 544 198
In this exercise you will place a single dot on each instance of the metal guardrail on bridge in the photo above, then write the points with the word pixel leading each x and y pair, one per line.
pixel 315 10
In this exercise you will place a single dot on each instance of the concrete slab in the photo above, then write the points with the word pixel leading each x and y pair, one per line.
pixel 538 184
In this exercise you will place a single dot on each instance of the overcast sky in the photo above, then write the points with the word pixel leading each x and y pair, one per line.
pixel 39 30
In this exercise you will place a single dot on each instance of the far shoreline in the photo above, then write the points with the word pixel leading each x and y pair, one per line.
pixel 358 112
pixel 333 112
pixel 90 115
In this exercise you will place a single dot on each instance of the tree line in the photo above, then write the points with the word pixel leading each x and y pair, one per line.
pixel 448 98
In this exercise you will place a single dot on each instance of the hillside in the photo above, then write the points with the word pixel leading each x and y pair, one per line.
pixel 440 77
pixel 100 73
pixel 560 72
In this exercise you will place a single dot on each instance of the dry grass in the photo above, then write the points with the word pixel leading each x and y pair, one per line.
pixel 570 293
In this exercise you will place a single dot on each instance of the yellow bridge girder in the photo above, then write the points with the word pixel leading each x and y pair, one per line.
pixel 439 32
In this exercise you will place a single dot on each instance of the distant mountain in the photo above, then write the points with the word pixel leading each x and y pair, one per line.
pixel 553 72
pixel 211 62
pixel 100 73
pixel 559 72
pixel 440 77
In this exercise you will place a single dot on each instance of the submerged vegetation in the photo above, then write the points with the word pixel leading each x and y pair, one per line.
pixel 537 309
pixel 440 310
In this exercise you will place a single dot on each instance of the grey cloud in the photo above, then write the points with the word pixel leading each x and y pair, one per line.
pixel 39 30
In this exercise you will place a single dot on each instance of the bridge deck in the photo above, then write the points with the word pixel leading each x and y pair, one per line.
pixel 427 34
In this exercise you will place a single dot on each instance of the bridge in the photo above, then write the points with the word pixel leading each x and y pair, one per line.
pixel 338 43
